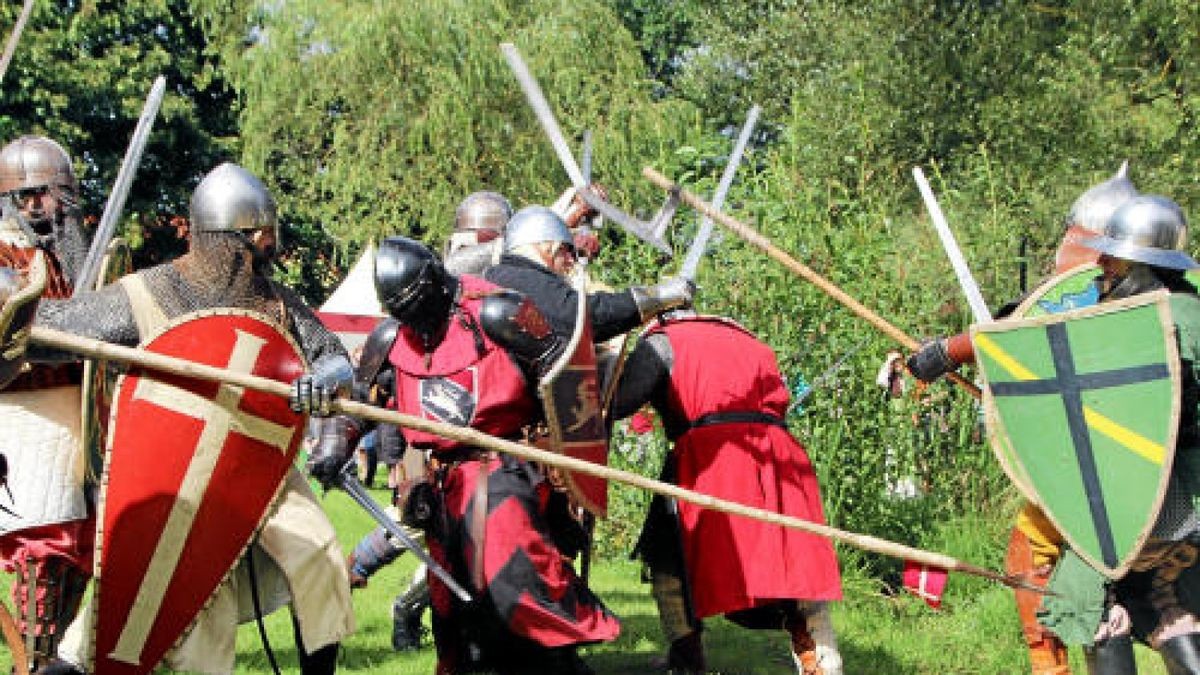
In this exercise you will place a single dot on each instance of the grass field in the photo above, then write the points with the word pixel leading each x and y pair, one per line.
pixel 880 633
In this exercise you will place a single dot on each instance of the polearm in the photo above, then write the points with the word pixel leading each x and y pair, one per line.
pixel 756 239
pixel 11 46
pixel 966 281
pixel 700 243
pixel 89 272
pixel 97 349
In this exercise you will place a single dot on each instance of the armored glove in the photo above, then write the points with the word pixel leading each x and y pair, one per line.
pixel 18 303
pixel 931 361
pixel 314 392
pixel 673 293
pixel 336 437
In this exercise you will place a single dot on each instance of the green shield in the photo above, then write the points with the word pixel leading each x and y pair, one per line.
pixel 1082 409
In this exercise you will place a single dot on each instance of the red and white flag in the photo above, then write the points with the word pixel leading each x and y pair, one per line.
pixel 926 582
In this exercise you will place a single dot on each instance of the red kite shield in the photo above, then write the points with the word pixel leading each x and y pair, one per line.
pixel 192 468
pixel 571 397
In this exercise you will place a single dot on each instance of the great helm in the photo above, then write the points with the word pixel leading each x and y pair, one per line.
pixel 1148 229
pixel 535 224
pixel 36 162
pixel 1095 206
pixel 480 211
pixel 413 286
pixel 231 199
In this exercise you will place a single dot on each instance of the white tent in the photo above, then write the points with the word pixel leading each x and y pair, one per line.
pixel 353 309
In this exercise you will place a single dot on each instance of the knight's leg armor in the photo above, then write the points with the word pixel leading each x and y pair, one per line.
pixel 1113 656
pixel 407 610
pixel 46 595
pixel 1181 655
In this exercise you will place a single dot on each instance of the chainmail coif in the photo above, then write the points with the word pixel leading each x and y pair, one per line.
pixel 216 272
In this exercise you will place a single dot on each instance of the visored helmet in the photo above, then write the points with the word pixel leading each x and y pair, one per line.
pixel 1148 229
pixel 231 199
pixel 535 224
pixel 482 211
pixel 1096 205
pixel 414 287
pixel 36 162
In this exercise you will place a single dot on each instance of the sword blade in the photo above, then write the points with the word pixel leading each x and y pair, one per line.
pixel 700 243
pixel 541 109
pixel 348 482
pixel 90 271
pixel 979 308
pixel 586 157
pixel 11 47
pixel 630 224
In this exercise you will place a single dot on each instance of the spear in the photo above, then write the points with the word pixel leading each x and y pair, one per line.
pixel 98 349
pixel 753 237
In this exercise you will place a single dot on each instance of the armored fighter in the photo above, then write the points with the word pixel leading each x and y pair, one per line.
pixel 234 233
pixel 46 531
pixel 463 351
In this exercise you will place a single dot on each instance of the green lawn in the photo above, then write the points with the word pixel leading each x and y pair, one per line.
pixel 976 632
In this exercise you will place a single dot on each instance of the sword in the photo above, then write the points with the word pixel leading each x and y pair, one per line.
pixel 979 308
pixel 90 271
pixel 13 39
pixel 349 482
pixel 541 110
pixel 586 157
pixel 700 243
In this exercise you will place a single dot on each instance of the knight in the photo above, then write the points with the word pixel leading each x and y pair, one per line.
pixel 46 531
pixel 234 236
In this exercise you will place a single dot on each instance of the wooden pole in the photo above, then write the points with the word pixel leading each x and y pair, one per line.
pixel 97 349
pixel 753 237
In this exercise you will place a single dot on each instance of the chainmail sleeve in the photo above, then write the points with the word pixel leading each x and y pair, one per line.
pixel 103 315
pixel 645 377
pixel 315 339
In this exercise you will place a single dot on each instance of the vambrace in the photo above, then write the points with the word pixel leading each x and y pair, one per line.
pixel 371 364
pixel 336 437
pixel 673 293
pixel 512 321
pixel 374 551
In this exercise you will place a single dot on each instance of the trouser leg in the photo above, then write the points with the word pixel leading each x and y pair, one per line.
pixel 1047 654
pixel 320 662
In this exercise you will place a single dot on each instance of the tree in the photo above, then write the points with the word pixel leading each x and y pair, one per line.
pixel 81 74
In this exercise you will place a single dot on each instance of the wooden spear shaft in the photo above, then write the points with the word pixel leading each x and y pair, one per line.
pixel 105 351
pixel 755 238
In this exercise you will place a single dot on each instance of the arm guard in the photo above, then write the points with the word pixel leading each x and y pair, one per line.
pixel 336 437
pixel 371 364
pixel 512 321
pixel 373 552
pixel 673 293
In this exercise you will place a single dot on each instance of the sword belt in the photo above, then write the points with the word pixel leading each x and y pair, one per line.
pixel 736 417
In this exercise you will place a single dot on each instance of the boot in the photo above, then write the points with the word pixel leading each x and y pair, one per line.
pixel 1181 654
pixel 1113 656
pixel 321 662
pixel 804 652
pixel 686 655
pixel 406 621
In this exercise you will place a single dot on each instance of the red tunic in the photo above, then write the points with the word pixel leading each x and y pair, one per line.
pixel 736 563
pixel 535 595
